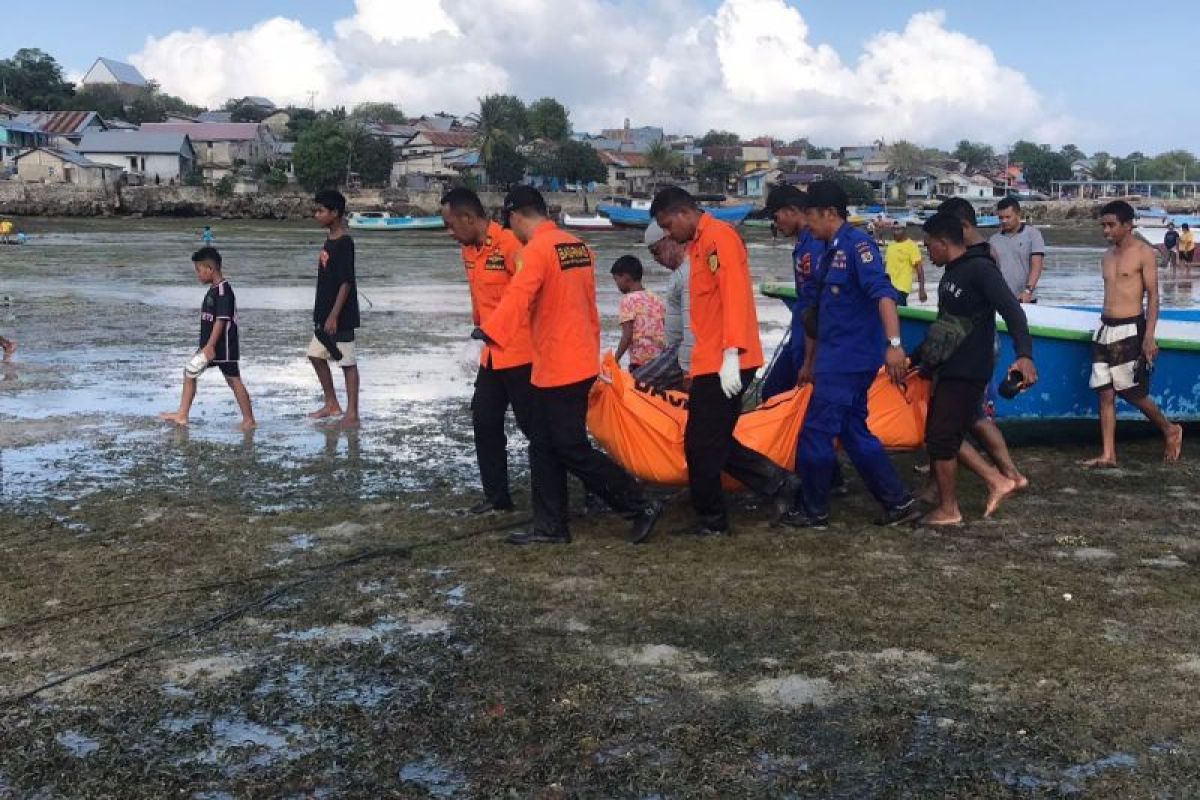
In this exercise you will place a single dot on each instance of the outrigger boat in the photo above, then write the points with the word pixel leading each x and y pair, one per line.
pixel 1062 349
pixel 387 221
pixel 593 222
pixel 634 217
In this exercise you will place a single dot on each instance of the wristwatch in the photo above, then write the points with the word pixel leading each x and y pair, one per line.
pixel 894 341
pixel 1030 289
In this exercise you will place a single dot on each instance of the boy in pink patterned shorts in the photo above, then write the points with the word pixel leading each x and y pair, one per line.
pixel 642 315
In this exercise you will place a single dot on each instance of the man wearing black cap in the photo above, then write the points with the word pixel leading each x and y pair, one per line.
pixel 851 320
pixel 554 290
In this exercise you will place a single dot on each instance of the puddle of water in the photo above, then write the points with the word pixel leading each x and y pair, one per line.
pixel 77 744
pixel 432 776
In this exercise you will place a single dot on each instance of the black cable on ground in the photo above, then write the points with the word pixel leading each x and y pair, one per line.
pixel 213 622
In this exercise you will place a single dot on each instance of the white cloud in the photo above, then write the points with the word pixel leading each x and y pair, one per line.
pixel 753 66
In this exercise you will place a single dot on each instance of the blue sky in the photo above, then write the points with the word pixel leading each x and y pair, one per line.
pixel 1105 65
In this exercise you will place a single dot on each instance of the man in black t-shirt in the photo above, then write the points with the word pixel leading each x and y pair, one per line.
pixel 1171 244
pixel 218 340
pixel 959 351
pixel 335 309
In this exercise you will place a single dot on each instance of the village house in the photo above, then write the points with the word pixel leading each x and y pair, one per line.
pixel 851 159
pixel 51 165
pixel 222 148
pixel 943 183
pixel 756 158
pixel 427 155
pixel 15 137
pixel 627 172
pixel 277 122
pixel 108 72
pixel 65 128
pixel 756 184
pixel 161 157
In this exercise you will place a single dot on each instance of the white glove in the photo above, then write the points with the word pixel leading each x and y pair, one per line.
pixel 468 357
pixel 731 373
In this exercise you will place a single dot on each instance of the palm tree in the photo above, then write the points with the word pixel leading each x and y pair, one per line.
pixel 500 118
pixel 662 160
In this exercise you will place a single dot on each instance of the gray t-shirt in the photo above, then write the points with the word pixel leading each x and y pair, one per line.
pixel 1014 251
pixel 679 314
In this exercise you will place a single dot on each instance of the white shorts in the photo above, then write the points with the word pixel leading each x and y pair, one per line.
pixel 317 350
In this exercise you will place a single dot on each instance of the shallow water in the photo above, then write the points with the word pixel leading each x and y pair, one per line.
pixel 105 315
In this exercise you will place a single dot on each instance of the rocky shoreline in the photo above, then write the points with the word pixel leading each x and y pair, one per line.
pixel 64 200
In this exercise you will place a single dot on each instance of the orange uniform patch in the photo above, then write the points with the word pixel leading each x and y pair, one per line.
pixel 490 268
pixel 723 312
pixel 554 293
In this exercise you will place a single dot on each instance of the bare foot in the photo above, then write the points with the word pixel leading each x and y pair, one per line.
pixel 348 423
pixel 173 417
pixel 326 411
pixel 247 425
pixel 996 495
pixel 1174 448
pixel 940 519
pixel 10 347
pixel 1022 483
pixel 1101 462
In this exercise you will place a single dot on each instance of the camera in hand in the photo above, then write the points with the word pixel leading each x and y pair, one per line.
pixel 1012 385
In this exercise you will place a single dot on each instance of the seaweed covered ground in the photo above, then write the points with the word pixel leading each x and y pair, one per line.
pixel 398 648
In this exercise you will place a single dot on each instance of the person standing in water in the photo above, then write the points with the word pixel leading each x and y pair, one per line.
pixel 1124 349
pixel 335 309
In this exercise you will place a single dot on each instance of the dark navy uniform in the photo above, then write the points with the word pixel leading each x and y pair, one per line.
pixel 806 257
pixel 848 284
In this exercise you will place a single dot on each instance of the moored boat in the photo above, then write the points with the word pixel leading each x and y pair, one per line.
pixel 592 222
pixel 387 221
pixel 1062 350
pixel 634 217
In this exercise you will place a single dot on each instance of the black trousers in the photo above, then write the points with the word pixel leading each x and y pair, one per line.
pixel 558 444
pixel 495 391
pixel 711 449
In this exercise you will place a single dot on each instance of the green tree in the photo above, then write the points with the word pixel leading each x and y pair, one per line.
pixel 1023 151
pixel 576 162
pixel 715 138
pixel 370 156
pixel 299 120
pixel 505 166
pixel 548 119
pixel 379 113
pixel 501 117
pixel 244 112
pixel 716 172
pixel 224 186
pixel 1173 165
pixel 1072 153
pixel 1104 166
pixel 321 155
pixel 662 160
pixel 277 178
pixel 1044 166
pixel 975 156
pixel 858 191
pixel 32 79
pixel 907 161
pixel 105 99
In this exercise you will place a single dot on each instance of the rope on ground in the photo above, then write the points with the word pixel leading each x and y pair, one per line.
pixel 217 620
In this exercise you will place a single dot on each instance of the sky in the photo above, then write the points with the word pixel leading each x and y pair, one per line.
pixel 1096 74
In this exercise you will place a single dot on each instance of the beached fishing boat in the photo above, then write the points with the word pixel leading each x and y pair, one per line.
pixel 387 221
pixel 591 222
pixel 987 221
pixel 1062 351
pixel 634 217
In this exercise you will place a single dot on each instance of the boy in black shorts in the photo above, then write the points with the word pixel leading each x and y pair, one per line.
pixel 218 340
pixel 335 310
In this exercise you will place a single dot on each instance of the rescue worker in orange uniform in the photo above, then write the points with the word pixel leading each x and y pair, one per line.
pixel 489 254
pixel 554 294
pixel 726 356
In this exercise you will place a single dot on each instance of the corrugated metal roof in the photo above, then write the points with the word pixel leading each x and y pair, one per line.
pixel 67 155
pixel 124 73
pixel 60 123
pixel 215 116
pixel 133 142
pixel 207 131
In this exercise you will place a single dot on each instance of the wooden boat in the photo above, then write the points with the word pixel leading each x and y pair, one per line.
pixel 1062 351
pixel 634 217
pixel 593 222
pixel 387 221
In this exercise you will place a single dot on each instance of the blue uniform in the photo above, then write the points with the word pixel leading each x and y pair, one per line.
pixel 805 259
pixel 850 347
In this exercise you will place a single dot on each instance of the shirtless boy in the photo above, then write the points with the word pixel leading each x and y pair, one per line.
pixel 1124 349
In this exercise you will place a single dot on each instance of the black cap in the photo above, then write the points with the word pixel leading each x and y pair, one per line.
pixel 785 196
pixel 519 198
pixel 828 194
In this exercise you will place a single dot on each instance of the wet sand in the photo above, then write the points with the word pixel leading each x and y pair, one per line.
pixel 321 620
